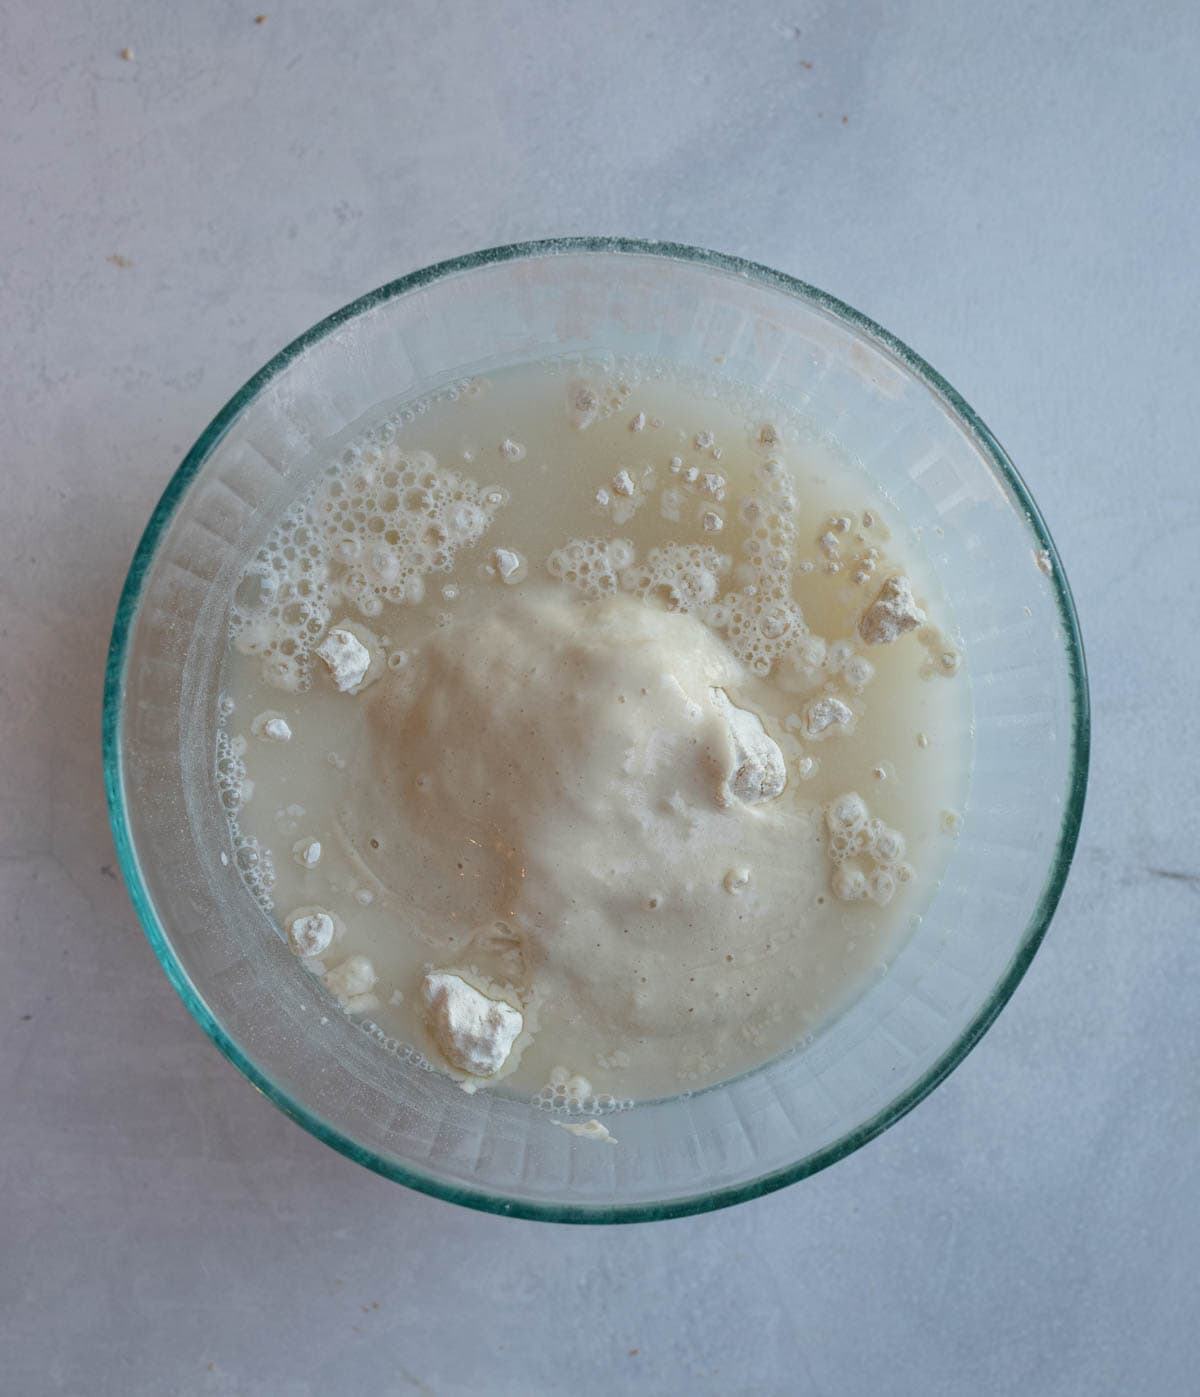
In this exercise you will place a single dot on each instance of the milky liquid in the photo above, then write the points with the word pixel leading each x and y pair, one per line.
pixel 552 570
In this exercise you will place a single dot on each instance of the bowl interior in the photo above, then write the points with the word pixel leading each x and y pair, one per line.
pixel 945 474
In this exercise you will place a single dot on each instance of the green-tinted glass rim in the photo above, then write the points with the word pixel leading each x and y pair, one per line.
pixel 114 686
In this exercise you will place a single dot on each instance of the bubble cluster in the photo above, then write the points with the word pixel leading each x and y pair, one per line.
pixel 571 1094
pixel 375 527
pixel 405 1051
pixel 684 577
pixel 808 657
pixel 254 862
pixel 591 565
pixel 855 835
pixel 761 620
pixel 814 660
pixel 231 773
pixel 764 621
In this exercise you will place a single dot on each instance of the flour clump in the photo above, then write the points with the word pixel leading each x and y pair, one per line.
pixel 758 773
pixel 310 931
pixel 346 657
pixel 473 1032
pixel 893 612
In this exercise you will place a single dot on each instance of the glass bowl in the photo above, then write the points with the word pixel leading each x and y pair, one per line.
pixel 945 473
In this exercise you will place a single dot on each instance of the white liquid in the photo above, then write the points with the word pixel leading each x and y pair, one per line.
pixel 535 789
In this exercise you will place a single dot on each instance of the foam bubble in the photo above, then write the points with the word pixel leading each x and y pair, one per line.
pixel 253 861
pixel 846 814
pixel 855 833
pixel 572 1094
pixel 881 886
pixel 370 533
pixel 591 565
pixel 765 623
pixel 849 883
pixel 838 654
pixel 231 774
pixel 684 577
pixel 889 846
pixel 858 672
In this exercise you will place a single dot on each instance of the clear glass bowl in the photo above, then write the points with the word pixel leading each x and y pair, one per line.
pixel 943 469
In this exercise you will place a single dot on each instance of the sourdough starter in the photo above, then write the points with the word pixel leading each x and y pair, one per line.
pixel 589 730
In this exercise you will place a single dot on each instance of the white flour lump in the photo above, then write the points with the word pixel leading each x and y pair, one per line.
pixel 473 1032
pixel 351 983
pixel 307 852
pixel 893 612
pixel 346 658
pixel 310 931
pixel 270 726
pixel 758 772
pixel 825 716
pixel 506 565
pixel 589 1130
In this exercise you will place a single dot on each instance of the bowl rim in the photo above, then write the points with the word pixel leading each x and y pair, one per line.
pixel 707 1200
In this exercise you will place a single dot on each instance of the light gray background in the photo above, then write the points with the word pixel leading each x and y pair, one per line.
pixel 1012 189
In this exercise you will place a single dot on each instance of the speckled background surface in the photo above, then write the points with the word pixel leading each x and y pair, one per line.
pixel 1011 189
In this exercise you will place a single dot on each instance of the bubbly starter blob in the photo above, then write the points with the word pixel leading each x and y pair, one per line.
pixel 587 731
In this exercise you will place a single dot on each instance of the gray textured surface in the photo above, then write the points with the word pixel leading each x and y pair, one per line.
pixel 1010 188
